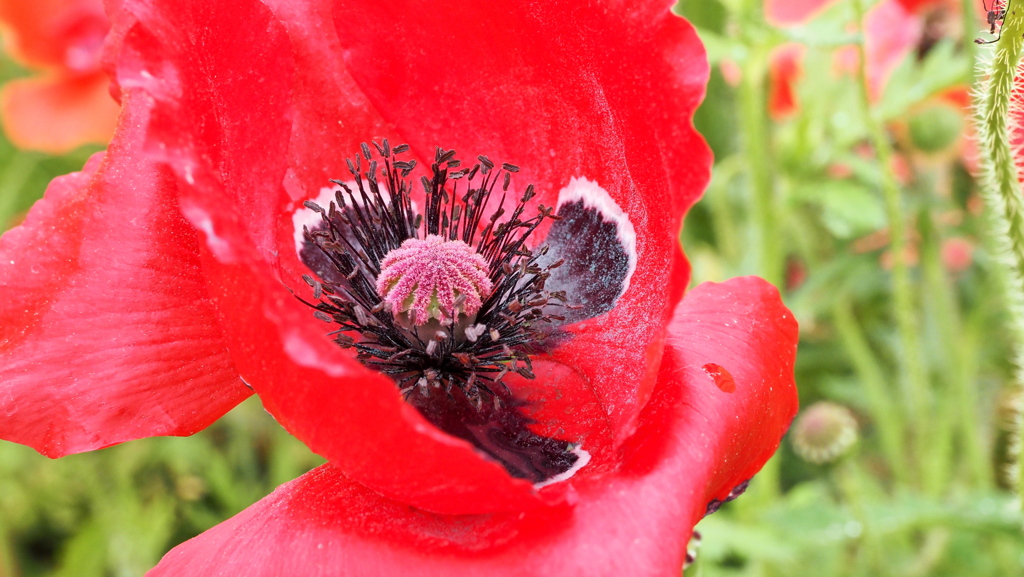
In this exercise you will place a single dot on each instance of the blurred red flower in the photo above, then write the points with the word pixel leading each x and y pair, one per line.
pixel 785 69
pixel 138 291
pixel 69 103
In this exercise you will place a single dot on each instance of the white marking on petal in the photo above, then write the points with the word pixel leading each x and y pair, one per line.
pixel 597 198
pixel 304 354
pixel 584 458
pixel 202 220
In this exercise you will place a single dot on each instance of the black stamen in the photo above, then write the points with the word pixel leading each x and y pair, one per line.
pixel 452 374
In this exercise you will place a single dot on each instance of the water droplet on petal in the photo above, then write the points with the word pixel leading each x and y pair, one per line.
pixel 723 379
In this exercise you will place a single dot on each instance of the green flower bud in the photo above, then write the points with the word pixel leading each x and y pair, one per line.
pixel 823 432
pixel 935 128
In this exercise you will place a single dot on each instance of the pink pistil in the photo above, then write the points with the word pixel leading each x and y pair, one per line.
pixel 433 278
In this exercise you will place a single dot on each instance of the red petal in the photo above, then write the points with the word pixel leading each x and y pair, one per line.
pixel 106 330
pixel 612 98
pixel 785 70
pixel 791 12
pixel 56 115
pixel 919 5
pixel 695 443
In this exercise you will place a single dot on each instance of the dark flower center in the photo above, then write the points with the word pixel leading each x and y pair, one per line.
pixel 447 301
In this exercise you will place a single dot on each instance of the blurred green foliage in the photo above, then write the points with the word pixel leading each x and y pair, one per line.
pixel 904 503
pixel 917 496
pixel 116 511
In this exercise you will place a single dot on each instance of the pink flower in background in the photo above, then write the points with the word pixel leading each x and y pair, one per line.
pixel 893 29
pixel 792 12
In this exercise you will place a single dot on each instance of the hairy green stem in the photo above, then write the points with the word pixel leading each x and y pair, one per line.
pixel 1003 195
pixel 915 378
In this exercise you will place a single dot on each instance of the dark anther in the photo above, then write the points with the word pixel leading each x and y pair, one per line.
pixel 443 155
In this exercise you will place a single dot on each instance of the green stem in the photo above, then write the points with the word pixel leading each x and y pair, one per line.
pixel 722 211
pixel 970 24
pixel 971 439
pixel 756 147
pixel 911 365
pixel 947 331
pixel 1002 191
pixel 872 377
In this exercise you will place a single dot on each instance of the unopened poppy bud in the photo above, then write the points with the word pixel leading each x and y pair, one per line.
pixel 433 278
pixel 823 432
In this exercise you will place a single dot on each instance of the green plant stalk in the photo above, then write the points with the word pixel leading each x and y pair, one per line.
pixel 872 377
pixel 754 122
pixel 970 438
pixel 939 305
pixel 915 378
pixel 756 147
pixel 722 212
pixel 1003 195
pixel 970 24
pixel 957 402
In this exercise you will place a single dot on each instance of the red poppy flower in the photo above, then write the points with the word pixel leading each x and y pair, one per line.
pixel 143 286
pixel 69 104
